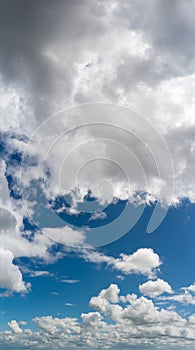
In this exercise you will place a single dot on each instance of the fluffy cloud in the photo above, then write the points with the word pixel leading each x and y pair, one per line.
pixel 132 321
pixel 111 294
pixel 155 288
pixel 10 275
pixel 190 288
pixel 143 261
pixel 54 325
pixel 185 298
pixel 14 326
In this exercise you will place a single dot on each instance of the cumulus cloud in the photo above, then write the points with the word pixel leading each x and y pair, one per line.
pixel 111 293
pixel 155 288
pixel 14 326
pixel 190 288
pixel 10 275
pixel 117 321
pixel 53 325
pixel 143 261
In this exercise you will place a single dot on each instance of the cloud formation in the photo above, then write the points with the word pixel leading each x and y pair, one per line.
pixel 10 275
pixel 143 261
pixel 48 64
pixel 118 321
pixel 60 54
pixel 155 288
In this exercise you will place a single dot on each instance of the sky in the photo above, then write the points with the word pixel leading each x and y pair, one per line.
pixel 97 162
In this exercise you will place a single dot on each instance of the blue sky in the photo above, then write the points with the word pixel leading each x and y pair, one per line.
pixel 57 293
pixel 97 163
pixel 173 241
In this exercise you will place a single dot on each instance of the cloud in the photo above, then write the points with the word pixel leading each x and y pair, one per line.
pixel 12 235
pixel 143 261
pixel 119 321
pixel 69 304
pixel 14 326
pixel 155 288
pixel 69 281
pixel 52 325
pixel 98 216
pixel 15 240
pixel 111 294
pixel 55 293
pixel 40 273
pixel 116 52
pixel 149 68
pixel 190 288
pixel 65 235
pixel 10 275
pixel 185 298
pixel 47 65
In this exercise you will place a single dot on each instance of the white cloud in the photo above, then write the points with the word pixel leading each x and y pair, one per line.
pixel 155 288
pixel 69 304
pixel 98 216
pixel 10 275
pixel 192 318
pixel 65 235
pixel 143 261
pixel 14 326
pixel 133 321
pixel 190 288
pixel 54 325
pixel 185 298
pixel 111 293
pixel 40 273
pixel 69 281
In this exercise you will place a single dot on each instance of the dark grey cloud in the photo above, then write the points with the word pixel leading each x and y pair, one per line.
pixel 42 41
pixel 169 25
pixel 31 29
